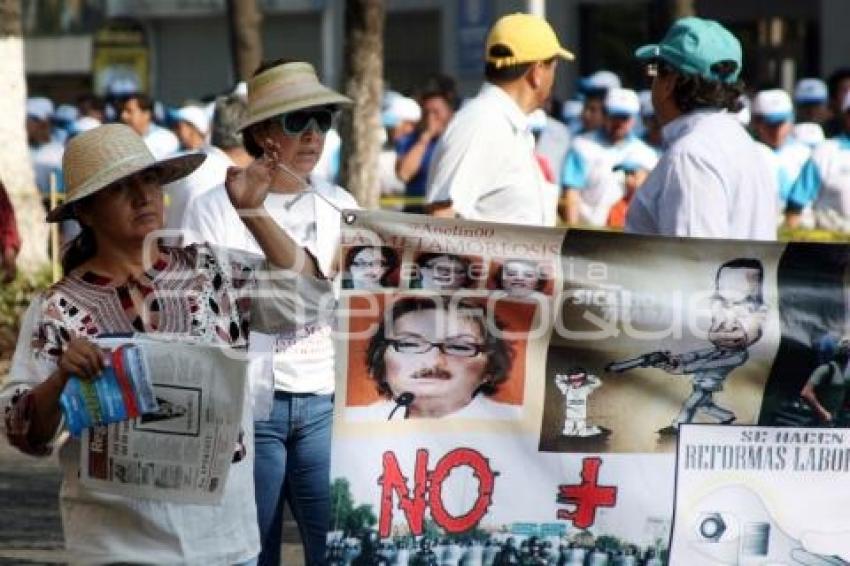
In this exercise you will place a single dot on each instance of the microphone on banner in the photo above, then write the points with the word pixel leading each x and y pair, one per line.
pixel 403 400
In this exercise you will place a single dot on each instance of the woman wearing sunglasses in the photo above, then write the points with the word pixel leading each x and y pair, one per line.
pixel 289 113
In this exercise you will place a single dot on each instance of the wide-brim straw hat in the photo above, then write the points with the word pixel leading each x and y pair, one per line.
pixel 96 159
pixel 286 88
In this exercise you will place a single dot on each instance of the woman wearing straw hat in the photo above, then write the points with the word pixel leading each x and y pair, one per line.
pixel 289 113
pixel 118 279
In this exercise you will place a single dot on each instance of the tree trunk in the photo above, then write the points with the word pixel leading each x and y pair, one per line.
pixel 245 23
pixel 364 47
pixel 15 167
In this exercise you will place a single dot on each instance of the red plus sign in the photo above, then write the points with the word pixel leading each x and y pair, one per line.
pixel 586 496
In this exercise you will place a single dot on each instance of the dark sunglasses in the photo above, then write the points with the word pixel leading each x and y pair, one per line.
pixel 320 119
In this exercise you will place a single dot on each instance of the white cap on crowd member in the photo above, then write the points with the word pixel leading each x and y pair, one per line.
pixel 400 109
pixel 40 108
pixel 633 161
pixel 773 106
pixel 571 109
pixel 646 108
pixel 809 133
pixel 66 113
pixel 83 124
pixel 622 102
pixel 196 116
pixel 811 91
pixel 600 81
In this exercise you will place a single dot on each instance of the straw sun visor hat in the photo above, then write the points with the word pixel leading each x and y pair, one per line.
pixel 286 88
pixel 96 159
pixel 522 38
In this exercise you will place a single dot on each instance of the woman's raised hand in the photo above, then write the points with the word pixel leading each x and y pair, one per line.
pixel 247 187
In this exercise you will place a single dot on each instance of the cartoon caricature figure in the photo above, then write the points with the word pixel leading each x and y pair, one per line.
pixel 737 317
pixel 576 385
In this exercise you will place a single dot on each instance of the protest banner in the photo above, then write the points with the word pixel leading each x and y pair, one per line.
pixel 495 381
pixel 761 495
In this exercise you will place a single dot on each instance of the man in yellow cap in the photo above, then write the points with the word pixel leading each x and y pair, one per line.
pixel 484 166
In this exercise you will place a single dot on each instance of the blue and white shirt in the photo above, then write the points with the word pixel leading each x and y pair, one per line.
pixel 824 183
pixel 791 156
pixel 787 161
pixel 589 166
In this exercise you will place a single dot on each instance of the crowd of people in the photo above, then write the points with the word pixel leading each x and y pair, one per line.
pixel 484 549
pixel 253 173
pixel 590 154
pixel 595 151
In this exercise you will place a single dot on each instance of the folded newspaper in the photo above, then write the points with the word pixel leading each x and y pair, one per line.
pixel 121 392
pixel 183 450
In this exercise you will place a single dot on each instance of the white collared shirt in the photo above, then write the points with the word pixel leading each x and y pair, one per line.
pixel 485 165
pixel 711 182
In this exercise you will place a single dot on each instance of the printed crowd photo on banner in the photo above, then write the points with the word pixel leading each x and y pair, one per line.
pixel 516 395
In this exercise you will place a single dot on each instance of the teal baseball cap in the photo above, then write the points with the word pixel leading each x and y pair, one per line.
pixel 693 46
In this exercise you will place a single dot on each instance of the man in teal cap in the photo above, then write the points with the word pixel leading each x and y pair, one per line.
pixel 711 181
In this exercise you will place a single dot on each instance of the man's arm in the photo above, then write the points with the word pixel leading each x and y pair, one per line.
pixel 568 206
pixel 804 190
pixel 808 392
pixel 574 178
pixel 409 162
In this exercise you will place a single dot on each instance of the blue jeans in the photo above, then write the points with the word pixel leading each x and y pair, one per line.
pixel 292 454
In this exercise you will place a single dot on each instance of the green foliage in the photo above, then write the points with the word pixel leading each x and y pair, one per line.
pixel 345 516
pixel 431 529
pixel 14 298
pixel 609 542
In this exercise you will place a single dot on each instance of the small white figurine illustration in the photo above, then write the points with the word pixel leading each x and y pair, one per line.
pixel 576 385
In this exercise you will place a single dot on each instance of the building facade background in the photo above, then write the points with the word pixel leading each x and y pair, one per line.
pixel 188 48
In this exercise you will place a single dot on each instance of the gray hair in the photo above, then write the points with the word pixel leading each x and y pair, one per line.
pixel 229 114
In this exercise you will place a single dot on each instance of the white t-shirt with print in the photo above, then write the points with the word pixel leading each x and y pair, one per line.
pixel 303 359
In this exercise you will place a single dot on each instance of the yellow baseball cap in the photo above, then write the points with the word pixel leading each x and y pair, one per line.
pixel 527 39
